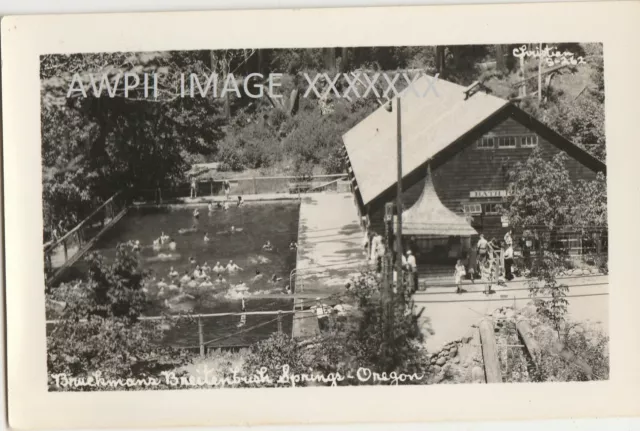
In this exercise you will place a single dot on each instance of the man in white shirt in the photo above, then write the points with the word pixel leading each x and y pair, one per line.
pixel 413 269
pixel 483 247
pixel 508 263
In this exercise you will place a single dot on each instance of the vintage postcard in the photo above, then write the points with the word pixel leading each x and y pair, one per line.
pixel 255 219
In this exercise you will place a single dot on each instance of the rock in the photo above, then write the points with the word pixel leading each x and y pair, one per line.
pixel 477 375
pixel 453 351
pixel 456 360
pixel 433 361
pixel 467 340
pixel 474 325
pixel 436 369
pixel 441 361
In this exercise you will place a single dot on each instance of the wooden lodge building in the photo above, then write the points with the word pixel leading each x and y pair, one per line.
pixel 468 140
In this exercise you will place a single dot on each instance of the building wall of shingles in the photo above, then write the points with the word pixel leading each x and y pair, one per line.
pixel 482 170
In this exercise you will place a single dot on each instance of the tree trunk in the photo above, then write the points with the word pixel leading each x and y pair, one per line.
pixel 329 55
pixel 501 61
pixel 440 58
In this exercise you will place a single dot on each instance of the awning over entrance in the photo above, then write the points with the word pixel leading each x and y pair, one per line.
pixel 429 217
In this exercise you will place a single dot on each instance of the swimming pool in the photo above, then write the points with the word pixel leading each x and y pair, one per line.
pixel 255 223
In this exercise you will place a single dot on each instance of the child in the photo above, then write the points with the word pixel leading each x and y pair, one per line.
pixel 458 274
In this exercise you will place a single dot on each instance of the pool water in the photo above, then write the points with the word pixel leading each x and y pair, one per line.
pixel 255 224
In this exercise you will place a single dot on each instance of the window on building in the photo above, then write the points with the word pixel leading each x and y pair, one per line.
pixel 529 141
pixel 486 142
pixel 492 208
pixel 506 142
pixel 472 208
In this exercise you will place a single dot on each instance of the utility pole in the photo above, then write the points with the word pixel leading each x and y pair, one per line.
pixel 399 199
pixel 200 337
pixel 540 76
pixel 387 272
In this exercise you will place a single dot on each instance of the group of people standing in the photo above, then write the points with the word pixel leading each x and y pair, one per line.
pixel 483 261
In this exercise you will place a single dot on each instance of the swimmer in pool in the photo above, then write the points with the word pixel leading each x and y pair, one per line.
pixel 173 273
pixel 193 228
pixel 163 238
pixel 136 245
pixel 275 279
pixel 267 246
pixel 233 229
pixel 197 273
pixel 173 287
pixel 257 277
pixel 192 260
pixel 220 279
pixel 232 267
pixel 240 201
pixel 156 244
pixel 293 245
pixel 163 256
pixel 287 290
pixel 162 283
pixel 196 213
pixel 206 267
pixel 206 237
pixel 210 207
pixel 225 206
pixel 218 268
pixel 185 278
pixel 206 283
pixel 192 283
pixel 218 205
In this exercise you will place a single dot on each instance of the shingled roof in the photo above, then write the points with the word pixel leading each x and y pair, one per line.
pixel 429 217
pixel 429 125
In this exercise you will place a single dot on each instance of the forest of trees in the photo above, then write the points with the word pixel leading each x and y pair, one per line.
pixel 93 147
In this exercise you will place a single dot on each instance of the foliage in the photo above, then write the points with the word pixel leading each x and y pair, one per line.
pixel 357 340
pixel 540 192
pixel 115 347
pixel 541 195
pixel 549 295
pixel 98 329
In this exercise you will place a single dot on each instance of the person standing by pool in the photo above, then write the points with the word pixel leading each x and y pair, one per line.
pixel 458 273
pixel 240 201
pixel 508 263
pixel 227 189
pixel 194 187
pixel 412 266
pixel 472 263
pixel 483 247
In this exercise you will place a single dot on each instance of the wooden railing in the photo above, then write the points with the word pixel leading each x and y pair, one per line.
pixel 63 252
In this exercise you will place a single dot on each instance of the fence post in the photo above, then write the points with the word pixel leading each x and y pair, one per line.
pixel 255 186
pixel 490 352
pixel 211 186
pixel 200 337
pixel 279 322
pixel 66 251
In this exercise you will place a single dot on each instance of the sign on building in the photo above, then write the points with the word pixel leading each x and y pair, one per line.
pixel 487 193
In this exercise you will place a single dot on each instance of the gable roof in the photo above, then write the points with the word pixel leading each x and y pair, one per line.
pixel 429 125
pixel 371 144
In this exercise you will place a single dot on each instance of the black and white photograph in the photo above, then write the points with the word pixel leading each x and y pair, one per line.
pixel 338 216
